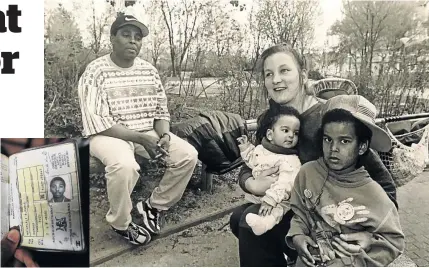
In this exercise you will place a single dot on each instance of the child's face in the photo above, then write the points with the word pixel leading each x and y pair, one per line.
pixel 58 188
pixel 341 147
pixel 284 132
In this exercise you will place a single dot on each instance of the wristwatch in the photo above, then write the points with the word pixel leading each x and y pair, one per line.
pixel 165 134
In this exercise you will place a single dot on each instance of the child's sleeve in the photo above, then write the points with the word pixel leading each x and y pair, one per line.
pixel 249 156
pixel 299 224
pixel 281 189
pixel 387 244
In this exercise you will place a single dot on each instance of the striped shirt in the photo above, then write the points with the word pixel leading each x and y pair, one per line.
pixel 109 95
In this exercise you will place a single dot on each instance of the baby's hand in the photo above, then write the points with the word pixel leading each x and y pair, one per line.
pixel 243 140
pixel 243 143
pixel 265 209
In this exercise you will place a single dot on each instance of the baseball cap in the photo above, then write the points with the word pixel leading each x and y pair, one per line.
pixel 123 20
pixel 364 111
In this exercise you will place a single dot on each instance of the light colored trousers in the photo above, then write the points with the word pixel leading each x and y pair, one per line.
pixel 122 174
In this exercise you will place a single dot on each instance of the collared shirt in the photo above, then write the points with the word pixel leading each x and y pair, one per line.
pixel 109 95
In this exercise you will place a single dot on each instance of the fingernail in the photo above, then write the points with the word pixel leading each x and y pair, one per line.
pixel 13 236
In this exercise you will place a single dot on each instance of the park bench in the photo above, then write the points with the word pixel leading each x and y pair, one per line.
pixel 207 175
pixel 324 88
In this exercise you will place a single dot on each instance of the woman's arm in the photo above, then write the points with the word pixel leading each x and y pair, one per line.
pixel 380 174
pixel 243 177
pixel 256 186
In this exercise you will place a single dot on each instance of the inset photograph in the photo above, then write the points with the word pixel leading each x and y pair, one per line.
pixel 44 194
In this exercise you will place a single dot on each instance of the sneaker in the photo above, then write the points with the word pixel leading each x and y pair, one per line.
pixel 151 217
pixel 137 235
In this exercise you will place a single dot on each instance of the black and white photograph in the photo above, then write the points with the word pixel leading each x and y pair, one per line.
pixel 45 183
pixel 60 189
pixel 245 133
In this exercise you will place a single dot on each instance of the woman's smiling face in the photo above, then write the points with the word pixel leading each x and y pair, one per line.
pixel 281 77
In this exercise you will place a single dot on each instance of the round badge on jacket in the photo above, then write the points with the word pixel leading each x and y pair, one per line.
pixel 308 193
pixel 345 212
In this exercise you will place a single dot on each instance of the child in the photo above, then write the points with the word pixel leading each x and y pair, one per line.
pixel 333 195
pixel 278 131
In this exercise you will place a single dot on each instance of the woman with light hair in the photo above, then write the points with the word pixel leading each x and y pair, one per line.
pixel 284 73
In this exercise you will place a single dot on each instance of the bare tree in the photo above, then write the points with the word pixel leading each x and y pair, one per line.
pixel 158 30
pixel 182 21
pixel 285 21
pixel 221 30
pixel 98 24
pixel 368 30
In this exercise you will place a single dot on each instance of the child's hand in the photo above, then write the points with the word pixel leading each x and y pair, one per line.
pixel 243 143
pixel 243 140
pixel 301 243
pixel 265 209
pixel 326 251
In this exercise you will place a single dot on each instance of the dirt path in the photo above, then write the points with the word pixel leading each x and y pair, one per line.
pixel 193 205
pixel 212 243
pixel 200 246
pixel 203 245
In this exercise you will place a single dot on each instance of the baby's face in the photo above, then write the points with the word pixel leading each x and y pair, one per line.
pixel 58 188
pixel 285 132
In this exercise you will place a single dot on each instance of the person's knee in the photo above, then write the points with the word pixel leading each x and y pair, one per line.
pixel 234 221
pixel 186 154
pixel 252 209
pixel 123 170
pixel 191 154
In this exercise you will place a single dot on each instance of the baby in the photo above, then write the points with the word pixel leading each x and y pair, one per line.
pixel 278 130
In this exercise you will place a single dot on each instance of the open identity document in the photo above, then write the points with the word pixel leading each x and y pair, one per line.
pixel 40 194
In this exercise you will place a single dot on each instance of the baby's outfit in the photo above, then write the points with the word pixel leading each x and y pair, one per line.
pixel 259 159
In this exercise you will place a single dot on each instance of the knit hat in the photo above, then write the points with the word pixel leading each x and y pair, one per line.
pixel 364 111
pixel 123 20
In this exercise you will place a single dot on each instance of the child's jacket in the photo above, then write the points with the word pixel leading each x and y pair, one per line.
pixel 266 156
pixel 349 203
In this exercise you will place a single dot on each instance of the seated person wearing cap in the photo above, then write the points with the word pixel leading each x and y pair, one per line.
pixel 333 197
pixel 124 111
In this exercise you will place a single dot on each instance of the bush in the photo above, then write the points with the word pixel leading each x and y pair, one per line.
pixel 203 72
pixel 63 69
